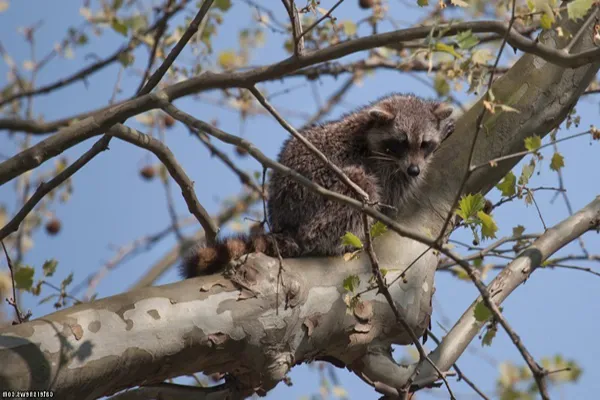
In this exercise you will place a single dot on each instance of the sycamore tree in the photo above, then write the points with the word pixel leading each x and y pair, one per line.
pixel 131 129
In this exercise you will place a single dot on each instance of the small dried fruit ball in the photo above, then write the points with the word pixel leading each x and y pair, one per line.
pixel 169 121
pixel 148 172
pixel 366 3
pixel 53 226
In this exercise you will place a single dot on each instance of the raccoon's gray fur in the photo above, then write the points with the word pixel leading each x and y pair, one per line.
pixel 384 148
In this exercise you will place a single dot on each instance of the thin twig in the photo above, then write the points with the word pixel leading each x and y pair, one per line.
pixel 160 31
pixel 261 99
pixel 22 318
pixel 45 188
pixel 95 67
pixel 317 22
pixel 164 154
pixel 189 32
pixel 383 289
pixel 461 375
pixel 478 125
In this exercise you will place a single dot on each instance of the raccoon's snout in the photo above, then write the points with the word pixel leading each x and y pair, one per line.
pixel 413 170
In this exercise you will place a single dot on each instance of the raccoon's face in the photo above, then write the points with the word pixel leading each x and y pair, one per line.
pixel 404 138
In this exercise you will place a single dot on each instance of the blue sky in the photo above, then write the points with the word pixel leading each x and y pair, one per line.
pixel 111 205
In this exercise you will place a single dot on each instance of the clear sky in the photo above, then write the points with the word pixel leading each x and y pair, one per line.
pixel 554 312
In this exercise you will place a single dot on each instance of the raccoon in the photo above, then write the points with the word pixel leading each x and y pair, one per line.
pixel 385 148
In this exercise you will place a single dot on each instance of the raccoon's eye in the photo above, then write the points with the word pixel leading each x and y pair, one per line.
pixel 394 146
pixel 427 147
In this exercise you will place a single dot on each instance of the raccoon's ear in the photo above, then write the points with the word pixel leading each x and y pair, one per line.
pixel 380 115
pixel 442 111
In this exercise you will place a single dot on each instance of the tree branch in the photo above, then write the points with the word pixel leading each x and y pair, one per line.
pixel 46 187
pixel 163 153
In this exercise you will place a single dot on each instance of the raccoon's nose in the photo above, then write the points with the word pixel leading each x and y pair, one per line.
pixel 413 170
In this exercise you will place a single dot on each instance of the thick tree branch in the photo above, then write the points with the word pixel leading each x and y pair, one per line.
pixel 106 118
pixel 517 272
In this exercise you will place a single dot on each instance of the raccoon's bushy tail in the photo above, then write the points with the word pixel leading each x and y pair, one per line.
pixel 208 260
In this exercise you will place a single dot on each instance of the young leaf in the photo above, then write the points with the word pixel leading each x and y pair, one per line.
pixel 546 21
pixel 24 278
pixel 223 5
pixel 507 186
pixel 423 3
pixel 119 27
pixel 465 40
pixel 488 225
pixel 481 312
pixel 578 8
pixel 349 27
pixel 558 161
pixel 443 47
pixel 227 59
pixel 533 143
pixel 378 229
pixel 489 336
pixel 469 205
pixel 518 230
pixel 49 267
pixel 67 281
pixel 526 173
pixel 351 283
pixel 350 239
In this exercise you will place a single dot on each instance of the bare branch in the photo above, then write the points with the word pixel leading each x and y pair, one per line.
pixel 261 99
pixel 517 272
pixel 45 188
pixel 318 21
pixel 95 67
pixel 177 173
pixel 189 32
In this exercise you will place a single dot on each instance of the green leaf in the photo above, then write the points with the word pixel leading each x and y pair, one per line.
pixel 443 47
pixel 49 267
pixel 227 59
pixel 489 336
pixel 466 40
pixel 578 8
pixel 350 239
pixel 507 186
pixel 378 229
pixel 349 27
pixel 488 225
pixel 423 3
pixel 518 230
pixel 351 283
pixel 546 21
pixel 24 278
pixel 481 312
pixel 526 173
pixel 558 161
pixel 117 4
pixel 469 205
pixel 126 59
pixel 119 27
pixel 533 143
pixel 67 281
pixel 223 5
pixel 441 86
